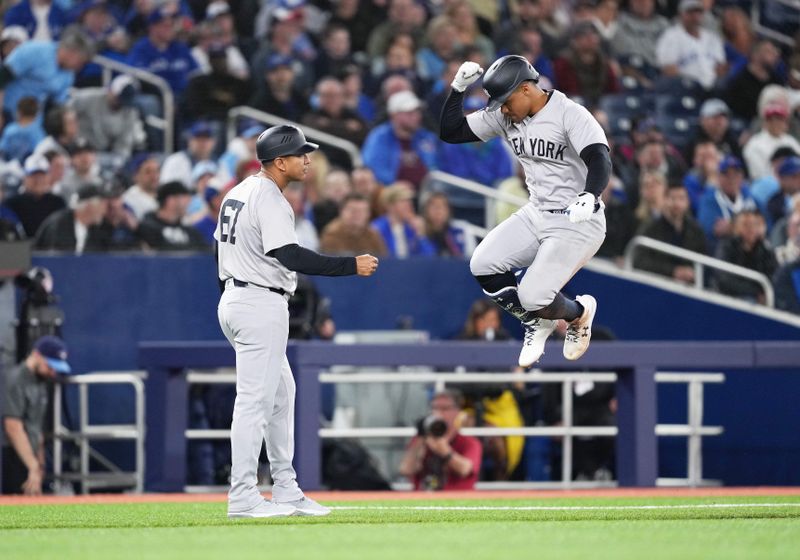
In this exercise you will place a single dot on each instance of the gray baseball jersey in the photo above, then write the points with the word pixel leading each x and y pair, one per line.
pixel 254 219
pixel 548 146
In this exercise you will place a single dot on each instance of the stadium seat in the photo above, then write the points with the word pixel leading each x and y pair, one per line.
pixel 678 86
pixel 638 63
pixel 679 131
pixel 621 105
pixel 672 106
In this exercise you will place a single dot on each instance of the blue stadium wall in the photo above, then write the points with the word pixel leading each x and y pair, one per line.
pixel 113 302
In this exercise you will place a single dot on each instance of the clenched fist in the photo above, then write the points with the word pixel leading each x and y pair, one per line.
pixel 366 265
pixel 466 75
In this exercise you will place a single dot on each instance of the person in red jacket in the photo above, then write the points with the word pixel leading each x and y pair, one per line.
pixel 440 458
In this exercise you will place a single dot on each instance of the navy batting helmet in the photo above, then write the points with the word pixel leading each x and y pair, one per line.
pixel 282 140
pixel 503 77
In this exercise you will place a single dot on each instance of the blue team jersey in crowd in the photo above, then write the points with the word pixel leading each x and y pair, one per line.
pixel 22 15
pixel 36 74
pixel 174 64
pixel 18 142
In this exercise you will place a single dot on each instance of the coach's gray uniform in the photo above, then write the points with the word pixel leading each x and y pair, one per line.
pixel 255 218
pixel 548 146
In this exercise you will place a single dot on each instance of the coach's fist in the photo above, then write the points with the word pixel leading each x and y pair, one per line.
pixel 366 265
pixel 466 75
pixel 583 208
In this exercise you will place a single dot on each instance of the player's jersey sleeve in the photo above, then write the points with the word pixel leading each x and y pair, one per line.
pixel 582 128
pixel 275 221
pixel 486 124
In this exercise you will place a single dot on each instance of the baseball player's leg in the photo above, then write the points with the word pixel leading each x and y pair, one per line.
pixel 512 244
pixel 558 259
pixel 280 439
pixel 280 450
pixel 258 324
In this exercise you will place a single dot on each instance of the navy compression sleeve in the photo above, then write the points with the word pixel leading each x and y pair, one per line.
pixel 453 126
pixel 598 162
pixel 298 259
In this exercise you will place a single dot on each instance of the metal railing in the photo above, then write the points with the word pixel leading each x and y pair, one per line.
pixel 86 432
pixel 694 429
pixel 246 112
pixel 166 123
pixel 765 31
pixel 491 195
pixel 699 262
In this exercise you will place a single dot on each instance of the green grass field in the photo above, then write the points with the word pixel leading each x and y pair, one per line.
pixel 641 528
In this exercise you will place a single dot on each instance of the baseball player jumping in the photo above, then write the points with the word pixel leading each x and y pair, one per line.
pixel 565 156
pixel 258 259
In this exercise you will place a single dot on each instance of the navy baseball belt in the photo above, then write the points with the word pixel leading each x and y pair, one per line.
pixel 241 284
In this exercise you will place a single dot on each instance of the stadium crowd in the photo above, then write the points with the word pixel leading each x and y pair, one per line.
pixel 699 110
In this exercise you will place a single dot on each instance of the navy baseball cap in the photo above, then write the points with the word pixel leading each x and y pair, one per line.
pixel 790 166
pixel 161 13
pixel 54 351
pixel 277 60
pixel 201 128
pixel 730 162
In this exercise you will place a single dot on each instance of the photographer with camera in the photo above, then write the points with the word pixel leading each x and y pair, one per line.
pixel 439 458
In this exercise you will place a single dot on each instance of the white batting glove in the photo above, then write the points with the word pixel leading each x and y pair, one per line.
pixel 582 209
pixel 466 75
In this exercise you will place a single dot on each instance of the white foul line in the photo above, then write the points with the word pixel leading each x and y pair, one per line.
pixel 558 508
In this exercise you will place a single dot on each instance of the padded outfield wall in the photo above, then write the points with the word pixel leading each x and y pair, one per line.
pixel 114 302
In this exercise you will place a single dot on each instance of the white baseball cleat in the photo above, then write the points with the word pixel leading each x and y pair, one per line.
pixel 579 331
pixel 536 333
pixel 265 509
pixel 308 507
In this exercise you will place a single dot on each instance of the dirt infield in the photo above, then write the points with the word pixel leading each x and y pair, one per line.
pixel 386 496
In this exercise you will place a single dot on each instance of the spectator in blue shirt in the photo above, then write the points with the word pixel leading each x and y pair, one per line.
pixel 401 149
pixel 443 44
pixel 719 205
pixel 161 54
pixel 21 137
pixel 98 20
pixel 43 20
pixel 449 237
pixel 43 70
pixel 399 226
pixel 765 187
pixel 780 203
pixel 484 162
pixel 213 196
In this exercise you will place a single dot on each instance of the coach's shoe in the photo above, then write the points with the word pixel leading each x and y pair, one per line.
pixel 579 331
pixel 265 509
pixel 536 333
pixel 308 507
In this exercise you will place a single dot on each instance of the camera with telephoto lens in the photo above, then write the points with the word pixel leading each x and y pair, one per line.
pixel 431 426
